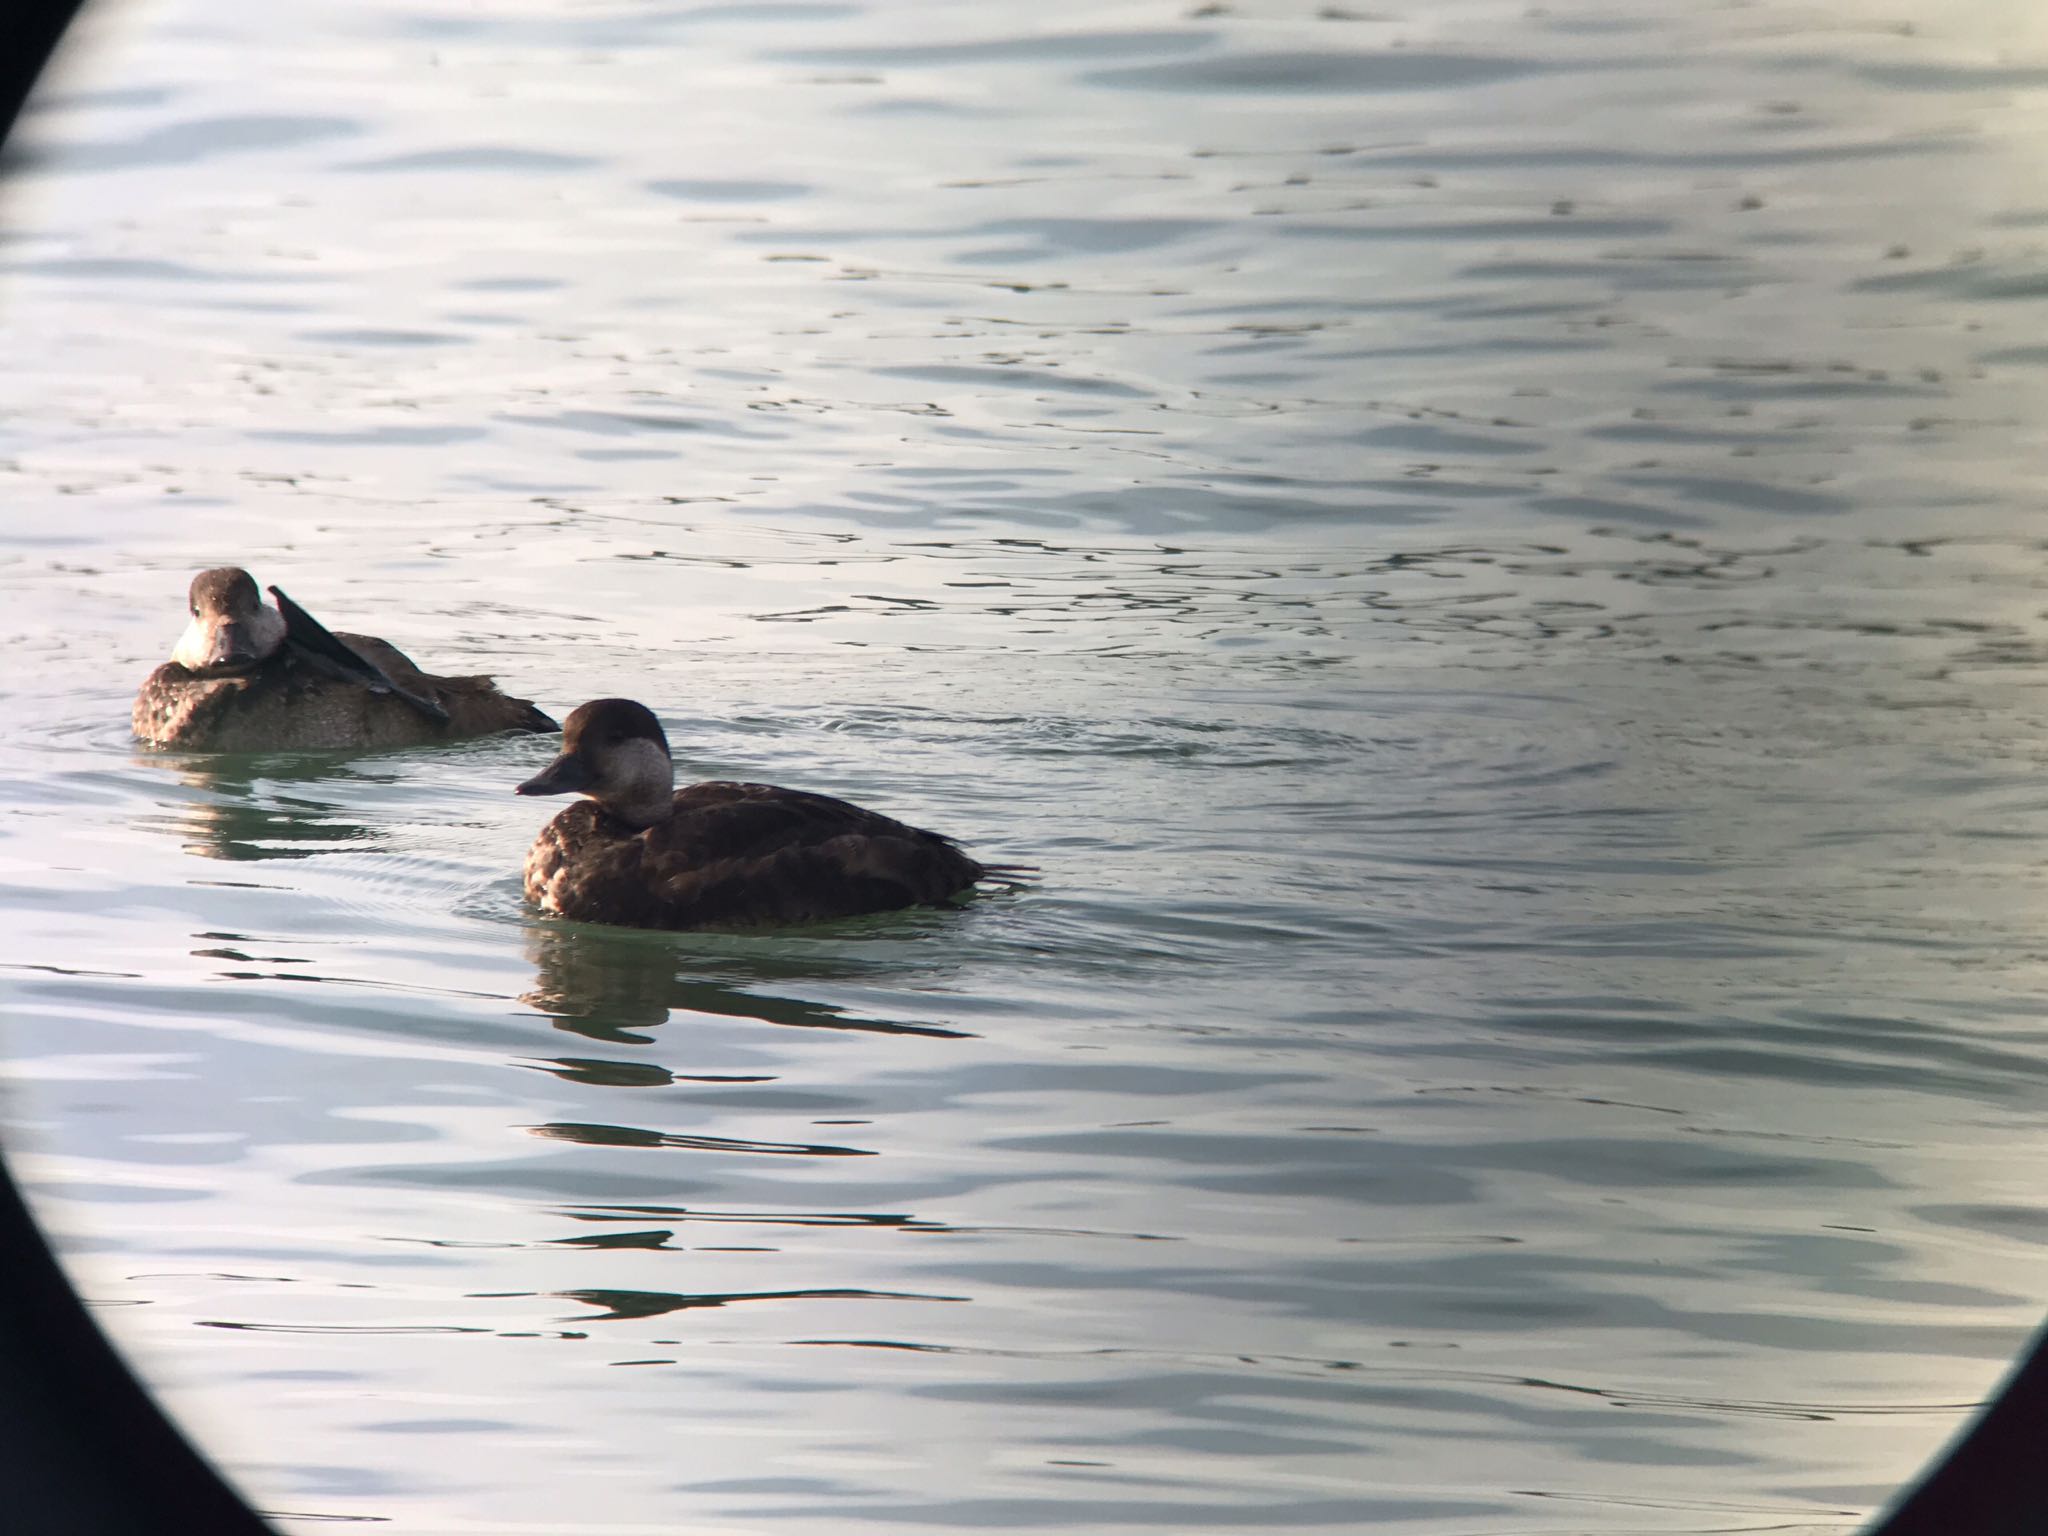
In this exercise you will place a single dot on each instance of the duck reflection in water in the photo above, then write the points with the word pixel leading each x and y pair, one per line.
pixel 641 853
pixel 607 984
pixel 242 816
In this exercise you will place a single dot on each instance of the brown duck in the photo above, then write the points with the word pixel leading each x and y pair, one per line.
pixel 247 677
pixel 642 853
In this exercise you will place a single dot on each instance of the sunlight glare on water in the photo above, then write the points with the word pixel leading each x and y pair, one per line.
pixel 1484 551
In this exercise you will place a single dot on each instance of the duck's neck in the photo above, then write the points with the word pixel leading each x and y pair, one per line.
pixel 642 812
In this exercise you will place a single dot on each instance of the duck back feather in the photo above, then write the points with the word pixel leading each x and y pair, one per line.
pixel 739 856
pixel 286 705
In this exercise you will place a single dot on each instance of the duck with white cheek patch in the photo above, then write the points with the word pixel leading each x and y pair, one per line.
pixel 249 677
pixel 643 854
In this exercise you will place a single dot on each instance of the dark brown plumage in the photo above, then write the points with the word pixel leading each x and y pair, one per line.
pixel 247 678
pixel 716 855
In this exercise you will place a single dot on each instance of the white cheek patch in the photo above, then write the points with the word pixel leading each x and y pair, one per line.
pixel 267 630
pixel 639 769
pixel 638 783
pixel 195 646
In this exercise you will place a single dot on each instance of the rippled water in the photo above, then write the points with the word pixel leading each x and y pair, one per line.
pixel 1493 557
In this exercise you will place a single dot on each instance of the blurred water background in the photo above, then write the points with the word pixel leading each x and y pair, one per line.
pixel 1493 554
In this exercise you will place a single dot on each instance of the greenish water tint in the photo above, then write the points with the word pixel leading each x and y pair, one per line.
pixel 1491 556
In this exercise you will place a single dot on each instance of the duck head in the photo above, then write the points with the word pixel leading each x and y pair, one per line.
pixel 613 750
pixel 232 628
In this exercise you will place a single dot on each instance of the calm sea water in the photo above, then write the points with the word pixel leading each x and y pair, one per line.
pixel 1494 556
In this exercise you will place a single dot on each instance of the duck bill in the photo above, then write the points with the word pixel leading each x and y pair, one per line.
pixel 566 775
pixel 234 648
pixel 228 648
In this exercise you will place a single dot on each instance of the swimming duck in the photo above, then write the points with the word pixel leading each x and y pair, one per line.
pixel 642 853
pixel 247 677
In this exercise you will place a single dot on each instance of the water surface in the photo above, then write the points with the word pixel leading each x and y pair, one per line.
pixel 1491 555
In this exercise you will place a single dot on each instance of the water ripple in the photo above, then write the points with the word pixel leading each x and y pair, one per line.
pixel 1485 558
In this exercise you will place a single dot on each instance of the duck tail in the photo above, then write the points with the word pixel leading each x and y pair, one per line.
pixel 481 708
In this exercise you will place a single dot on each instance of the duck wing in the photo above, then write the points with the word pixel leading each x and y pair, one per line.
pixel 735 854
pixel 315 643
pixel 721 819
